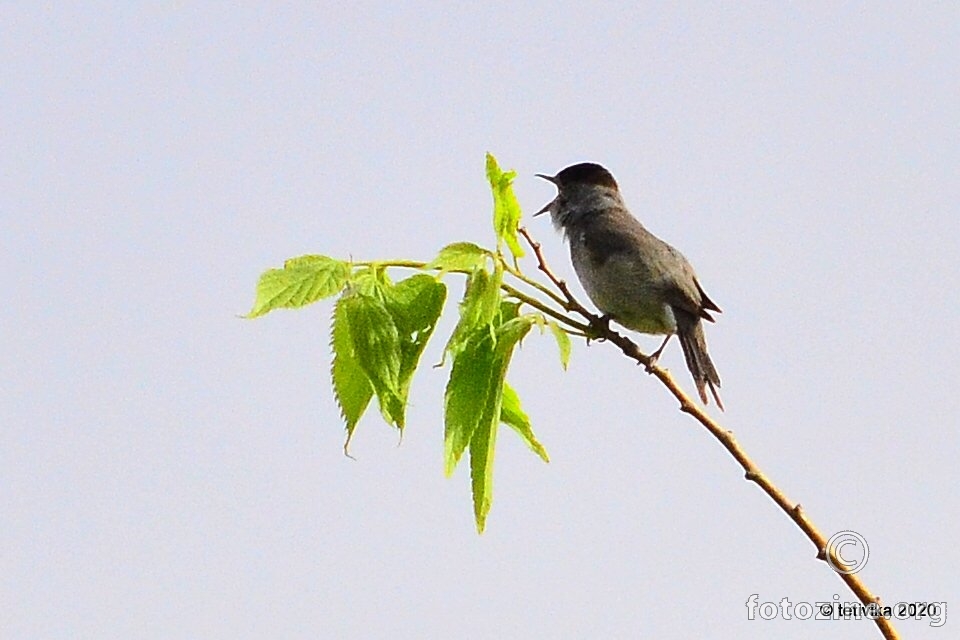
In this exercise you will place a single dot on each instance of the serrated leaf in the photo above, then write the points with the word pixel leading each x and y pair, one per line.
pixel 307 261
pixel 415 305
pixel 563 342
pixel 376 346
pixel 350 384
pixel 466 395
pixel 366 281
pixel 506 209
pixel 302 281
pixel 511 332
pixel 415 302
pixel 396 321
pixel 513 415
pixel 479 306
pixel 485 435
pixel 482 448
pixel 474 399
pixel 460 256
pixel 508 311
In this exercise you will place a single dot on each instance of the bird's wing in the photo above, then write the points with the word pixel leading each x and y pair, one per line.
pixel 707 302
pixel 682 289
pixel 604 241
pixel 652 260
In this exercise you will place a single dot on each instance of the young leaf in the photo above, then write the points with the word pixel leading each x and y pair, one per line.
pixel 511 332
pixel 510 311
pixel 479 367
pixel 460 256
pixel 482 447
pixel 302 281
pixel 478 307
pixel 406 312
pixel 376 346
pixel 415 305
pixel 484 435
pixel 513 415
pixel 350 384
pixel 563 342
pixel 506 209
pixel 467 392
pixel 367 281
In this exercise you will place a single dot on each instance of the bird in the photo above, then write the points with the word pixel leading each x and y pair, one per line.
pixel 632 276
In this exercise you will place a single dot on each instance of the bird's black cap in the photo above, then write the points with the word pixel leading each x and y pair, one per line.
pixel 585 173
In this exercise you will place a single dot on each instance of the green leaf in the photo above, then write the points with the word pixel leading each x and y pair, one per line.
pixel 460 256
pixel 479 368
pixel 379 332
pixel 482 447
pixel 350 384
pixel 376 346
pixel 511 332
pixel 367 281
pixel 302 281
pixel 485 435
pixel 415 305
pixel 513 415
pixel 466 395
pixel 478 307
pixel 508 311
pixel 474 399
pixel 563 342
pixel 506 209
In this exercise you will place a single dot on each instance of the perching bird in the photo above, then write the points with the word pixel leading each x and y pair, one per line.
pixel 634 277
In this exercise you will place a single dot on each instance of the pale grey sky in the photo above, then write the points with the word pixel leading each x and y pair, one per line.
pixel 170 471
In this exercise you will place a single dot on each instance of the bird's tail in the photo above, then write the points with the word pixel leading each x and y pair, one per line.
pixel 694 344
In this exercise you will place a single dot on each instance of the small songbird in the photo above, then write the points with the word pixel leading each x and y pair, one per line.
pixel 634 277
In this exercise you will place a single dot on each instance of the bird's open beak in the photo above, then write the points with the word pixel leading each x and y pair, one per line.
pixel 547 206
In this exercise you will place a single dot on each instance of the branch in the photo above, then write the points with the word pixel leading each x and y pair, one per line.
pixel 570 303
pixel 535 284
pixel 553 313
pixel 509 290
pixel 601 329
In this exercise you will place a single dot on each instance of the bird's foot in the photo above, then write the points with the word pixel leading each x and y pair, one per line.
pixel 599 327
pixel 651 362
pixel 655 357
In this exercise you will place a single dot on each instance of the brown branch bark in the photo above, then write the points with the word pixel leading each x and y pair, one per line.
pixel 751 471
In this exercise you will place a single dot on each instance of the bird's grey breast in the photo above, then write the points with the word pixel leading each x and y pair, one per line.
pixel 613 262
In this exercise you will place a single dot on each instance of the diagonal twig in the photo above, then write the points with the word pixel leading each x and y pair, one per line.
pixel 752 472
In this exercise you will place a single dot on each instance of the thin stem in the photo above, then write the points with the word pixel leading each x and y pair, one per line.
pixel 569 301
pixel 539 286
pixel 553 313
pixel 509 289
pixel 403 264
